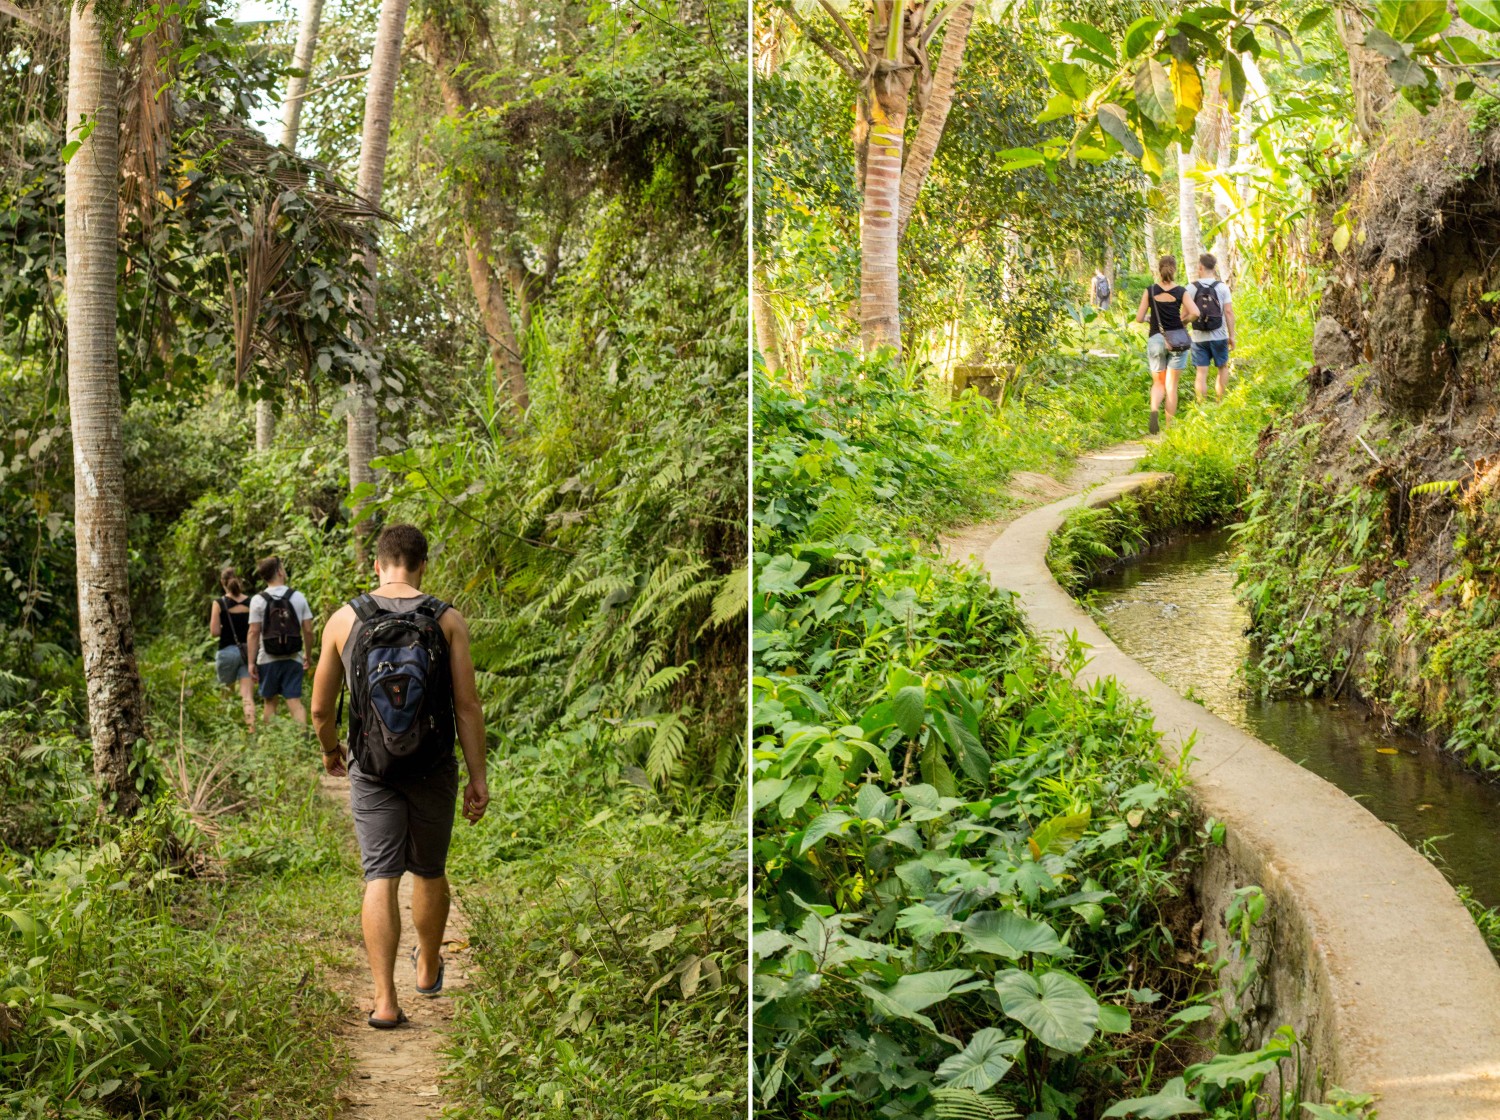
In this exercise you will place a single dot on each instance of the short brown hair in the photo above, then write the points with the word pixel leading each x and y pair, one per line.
pixel 403 546
pixel 267 567
pixel 1166 268
pixel 1209 261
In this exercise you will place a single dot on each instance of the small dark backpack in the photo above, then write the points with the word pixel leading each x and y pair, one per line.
pixel 281 631
pixel 1210 313
pixel 1101 287
pixel 400 690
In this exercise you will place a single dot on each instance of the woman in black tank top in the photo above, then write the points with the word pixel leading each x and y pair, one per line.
pixel 229 621
pixel 1168 308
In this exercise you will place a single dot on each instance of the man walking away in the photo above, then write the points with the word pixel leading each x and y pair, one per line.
pixel 1102 291
pixel 281 634
pixel 405 656
pixel 1213 333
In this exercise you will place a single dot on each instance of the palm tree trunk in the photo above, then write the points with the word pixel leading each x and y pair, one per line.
pixel 879 229
pixel 1187 211
pixel 291 118
pixel 380 96
pixel 767 340
pixel 935 116
pixel 91 222
pixel 302 60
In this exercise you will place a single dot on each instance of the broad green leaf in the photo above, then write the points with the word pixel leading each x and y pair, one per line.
pixel 1408 73
pixel 1316 16
pixel 909 709
pixel 1193 1014
pixel 1171 1101
pixel 1466 52
pixel 1056 835
pixel 1139 35
pixel 779 575
pixel 1341 237
pixel 983 1062
pixel 1086 33
pixel 1069 78
pixel 1153 92
pixel 1153 162
pixel 915 992
pixel 1113 1019
pixel 1411 21
pixel 824 825
pixel 1059 105
pixel 1008 934
pixel 972 757
pixel 1112 120
pixel 1056 1007
pixel 1378 41
pixel 1482 15
pixel 1187 88
pixel 796 795
pixel 924 923
pixel 768 790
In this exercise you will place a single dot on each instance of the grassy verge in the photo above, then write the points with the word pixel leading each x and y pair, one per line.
pixel 176 967
pixel 970 873
pixel 607 936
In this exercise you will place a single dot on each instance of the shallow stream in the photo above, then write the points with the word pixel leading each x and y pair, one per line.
pixel 1175 612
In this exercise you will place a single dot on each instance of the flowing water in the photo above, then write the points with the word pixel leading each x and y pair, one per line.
pixel 1175 612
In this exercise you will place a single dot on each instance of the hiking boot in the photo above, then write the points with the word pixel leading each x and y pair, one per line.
pixel 1155 426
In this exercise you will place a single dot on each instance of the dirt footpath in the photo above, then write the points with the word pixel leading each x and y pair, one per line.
pixel 1031 490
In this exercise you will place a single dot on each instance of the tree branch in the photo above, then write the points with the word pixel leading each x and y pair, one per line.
pixel 826 45
pixel 848 31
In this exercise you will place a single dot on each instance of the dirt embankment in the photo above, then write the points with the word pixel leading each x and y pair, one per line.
pixel 1385 487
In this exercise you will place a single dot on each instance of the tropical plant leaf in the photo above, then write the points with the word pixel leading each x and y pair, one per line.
pixel 915 992
pixel 909 709
pixel 1112 120
pixel 1008 934
pixel 1171 1101
pixel 1153 92
pixel 983 1062
pixel 1057 1007
pixel 1187 90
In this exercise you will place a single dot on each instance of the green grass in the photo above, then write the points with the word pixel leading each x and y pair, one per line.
pixel 608 947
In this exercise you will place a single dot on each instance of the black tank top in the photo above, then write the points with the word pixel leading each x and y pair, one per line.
pixel 234 629
pixel 1167 316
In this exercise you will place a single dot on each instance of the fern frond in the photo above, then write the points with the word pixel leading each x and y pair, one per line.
pixel 966 1104
pixel 667 748
pixel 1437 486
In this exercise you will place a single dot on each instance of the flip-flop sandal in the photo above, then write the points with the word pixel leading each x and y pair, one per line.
pixel 437 988
pixel 388 1024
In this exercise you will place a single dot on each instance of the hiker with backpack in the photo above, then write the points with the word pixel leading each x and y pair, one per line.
pixel 1168 306
pixel 1213 331
pixel 405 658
pixel 281 634
pixel 229 621
pixel 1101 290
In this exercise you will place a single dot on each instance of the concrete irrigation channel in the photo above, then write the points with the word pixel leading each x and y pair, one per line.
pixel 1365 949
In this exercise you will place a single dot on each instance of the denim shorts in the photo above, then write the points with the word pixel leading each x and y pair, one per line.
pixel 229 663
pixel 1214 353
pixel 1160 359
pixel 281 678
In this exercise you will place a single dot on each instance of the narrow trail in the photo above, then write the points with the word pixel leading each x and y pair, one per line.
pixel 397 1073
pixel 1030 490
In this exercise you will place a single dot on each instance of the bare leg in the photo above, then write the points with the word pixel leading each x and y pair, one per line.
pixel 1158 389
pixel 268 709
pixel 1172 375
pixel 247 701
pixel 380 918
pixel 1223 385
pixel 299 713
pixel 429 913
pixel 1200 386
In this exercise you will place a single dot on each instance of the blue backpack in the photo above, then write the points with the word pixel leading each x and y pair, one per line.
pixel 401 690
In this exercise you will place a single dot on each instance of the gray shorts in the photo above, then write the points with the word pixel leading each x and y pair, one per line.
pixel 1160 359
pixel 230 665
pixel 405 825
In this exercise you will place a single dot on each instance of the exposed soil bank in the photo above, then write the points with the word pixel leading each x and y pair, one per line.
pixel 1369 954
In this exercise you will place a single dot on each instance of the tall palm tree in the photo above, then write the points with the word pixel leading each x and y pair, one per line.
pixel 90 225
pixel 380 94
pixel 291 118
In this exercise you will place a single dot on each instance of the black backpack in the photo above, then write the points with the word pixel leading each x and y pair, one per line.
pixel 281 630
pixel 401 690
pixel 1210 313
pixel 1101 287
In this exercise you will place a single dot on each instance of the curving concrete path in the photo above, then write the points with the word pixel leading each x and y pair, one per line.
pixel 1372 956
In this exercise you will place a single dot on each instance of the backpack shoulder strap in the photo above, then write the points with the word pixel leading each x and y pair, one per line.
pixel 432 607
pixel 365 607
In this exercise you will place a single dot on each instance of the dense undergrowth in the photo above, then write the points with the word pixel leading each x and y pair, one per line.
pixel 970 873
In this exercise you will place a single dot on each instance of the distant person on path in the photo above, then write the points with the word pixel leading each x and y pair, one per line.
pixel 1213 332
pixel 229 621
pixel 1167 306
pixel 405 656
pixel 281 634
pixel 1101 291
